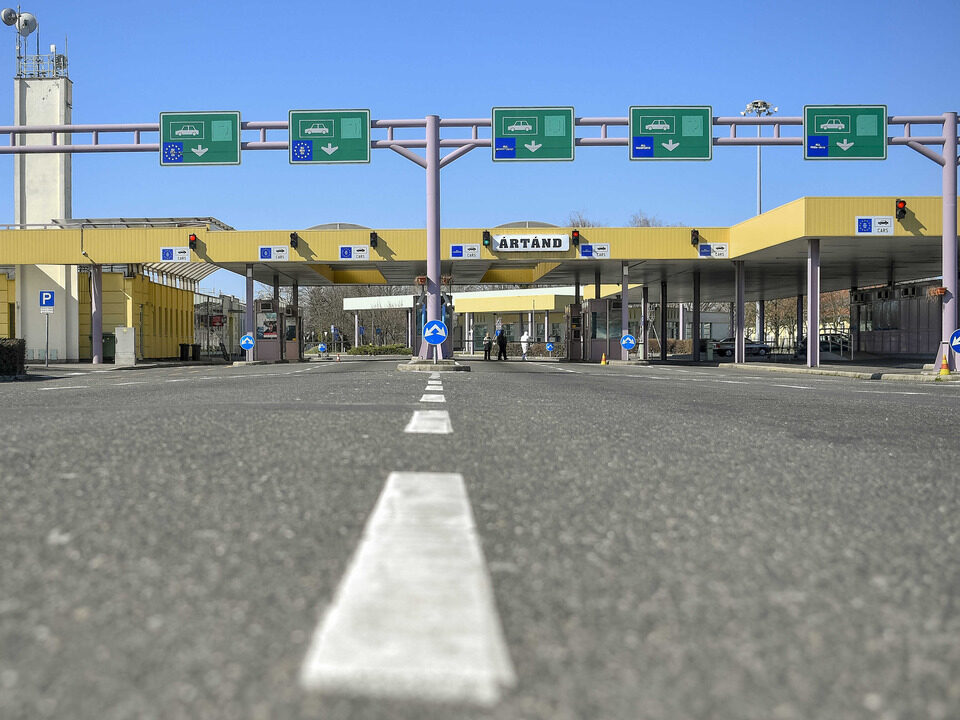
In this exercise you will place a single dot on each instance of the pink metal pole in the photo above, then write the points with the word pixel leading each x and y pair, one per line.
pixel 433 227
pixel 950 316
pixel 96 313
pixel 813 303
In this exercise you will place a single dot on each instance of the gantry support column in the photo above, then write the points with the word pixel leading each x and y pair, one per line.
pixel 249 319
pixel 813 302
pixel 280 321
pixel 295 298
pixel 950 317
pixel 625 309
pixel 644 321
pixel 432 157
pixel 800 319
pixel 695 326
pixel 96 313
pixel 739 350
pixel 663 319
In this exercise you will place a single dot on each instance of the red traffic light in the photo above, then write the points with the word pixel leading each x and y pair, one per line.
pixel 193 241
pixel 901 209
pixel 575 235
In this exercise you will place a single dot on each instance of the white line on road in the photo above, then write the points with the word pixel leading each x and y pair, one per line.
pixel 890 392
pixel 558 369
pixel 414 617
pixel 132 382
pixel 66 387
pixel 433 398
pixel 434 376
pixel 436 422
pixel 798 387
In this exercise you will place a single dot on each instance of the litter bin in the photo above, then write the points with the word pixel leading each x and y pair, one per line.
pixel 184 351
pixel 195 352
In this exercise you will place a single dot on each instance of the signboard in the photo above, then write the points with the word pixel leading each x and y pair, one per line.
pixel 468 251
pixel 247 342
pixel 875 225
pixel 671 133
pixel 329 137
pixel 713 250
pixel 595 250
pixel 175 254
pixel 845 132
pixel 216 321
pixel 200 138
pixel 274 253
pixel 532 133
pixel 531 243
pixel 322 347
pixel 46 302
pixel 550 347
pixel 434 332
pixel 354 252
pixel 628 341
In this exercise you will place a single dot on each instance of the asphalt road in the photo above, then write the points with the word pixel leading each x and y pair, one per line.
pixel 662 543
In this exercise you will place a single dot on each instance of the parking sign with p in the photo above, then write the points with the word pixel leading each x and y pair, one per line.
pixel 46 301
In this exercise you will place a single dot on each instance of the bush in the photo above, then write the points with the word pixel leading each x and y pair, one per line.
pixel 396 349
pixel 12 356
pixel 674 346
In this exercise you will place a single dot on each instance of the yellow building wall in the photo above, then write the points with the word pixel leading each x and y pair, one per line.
pixel 167 314
pixel 8 295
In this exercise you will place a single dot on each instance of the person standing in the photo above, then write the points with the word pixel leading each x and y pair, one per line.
pixel 487 346
pixel 525 343
pixel 501 345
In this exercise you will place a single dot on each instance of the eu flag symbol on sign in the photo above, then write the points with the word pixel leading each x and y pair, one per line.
pixel 173 152
pixel 302 150
pixel 266 253
pixel 346 253
pixel 864 225
pixel 166 254
pixel 505 148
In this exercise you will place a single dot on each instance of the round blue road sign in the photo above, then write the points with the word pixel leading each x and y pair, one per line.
pixel 955 341
pixel 247 342
pixel 322 347
pixel 434 332
pixel 628 341
pixel 549 347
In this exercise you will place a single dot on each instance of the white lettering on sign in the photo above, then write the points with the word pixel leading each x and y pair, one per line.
pixel 719 250
pixel 531 243
pixel 601 250
pixel 874 225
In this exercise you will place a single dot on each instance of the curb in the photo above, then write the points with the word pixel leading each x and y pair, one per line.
pixel 854 375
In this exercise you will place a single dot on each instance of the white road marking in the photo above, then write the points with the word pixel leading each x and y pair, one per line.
pixel 436 422
pixel 434 389
pixel 889 392
pixel 434 376
pixel 558 369
pixel 66 387
pixel 414 617
pixel 180 380
pixel 434 383
pixel 132 382
pixel 433 398
pixel 798 387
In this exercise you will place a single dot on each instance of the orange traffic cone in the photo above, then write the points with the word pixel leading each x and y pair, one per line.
pixel 338 357
pixel 603 359
pixel 945 364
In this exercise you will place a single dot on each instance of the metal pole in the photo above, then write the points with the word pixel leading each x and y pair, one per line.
pixel 46 355
pixel 800 319
pixel 96 313
pixel 625 309
pixel 280 320
pixel 433 225
pixel 695 326
pixel 813 302
pixel 949 202
pixel 644 325
pixel 739 354
pixel 663 319
pixel 249 310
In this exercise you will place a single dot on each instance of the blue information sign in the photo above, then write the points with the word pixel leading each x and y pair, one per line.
pixel 46 298
pixel 434 332
pixel 322 347
pixel 549 347
pixel 247 342
pixel 628 341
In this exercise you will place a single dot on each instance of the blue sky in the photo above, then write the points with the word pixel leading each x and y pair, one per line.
pixel 130 61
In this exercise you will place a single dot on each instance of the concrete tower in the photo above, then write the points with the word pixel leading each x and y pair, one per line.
pixel 43 95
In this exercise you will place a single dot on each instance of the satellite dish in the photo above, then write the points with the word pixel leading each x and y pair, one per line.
pixel 8 15
pixel 26 23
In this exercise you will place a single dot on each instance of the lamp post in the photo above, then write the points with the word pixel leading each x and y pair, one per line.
pixel 760 108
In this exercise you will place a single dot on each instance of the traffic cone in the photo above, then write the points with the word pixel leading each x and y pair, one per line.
pixel 603 359
pixel 945 364
pixel 338 357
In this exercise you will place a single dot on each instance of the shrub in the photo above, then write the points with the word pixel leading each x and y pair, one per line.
pixel 395 349
pixel 12 356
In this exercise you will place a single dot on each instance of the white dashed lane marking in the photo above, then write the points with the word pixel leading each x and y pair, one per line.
pixel 433 398
pixel 414 617
pixel 65 387
pixel 435 422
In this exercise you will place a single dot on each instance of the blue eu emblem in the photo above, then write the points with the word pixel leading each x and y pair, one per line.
pixel 302 150
pixel 173 152
pixel 166 254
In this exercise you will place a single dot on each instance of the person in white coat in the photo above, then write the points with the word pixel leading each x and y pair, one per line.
pixel 525 343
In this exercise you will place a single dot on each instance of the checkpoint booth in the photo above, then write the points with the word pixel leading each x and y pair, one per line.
pixel 278 332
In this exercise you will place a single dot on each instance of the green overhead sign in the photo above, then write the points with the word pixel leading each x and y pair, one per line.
pixel 329 136
pixel 671 133
pixel 532 133
pixel 845 132
pixel 200 138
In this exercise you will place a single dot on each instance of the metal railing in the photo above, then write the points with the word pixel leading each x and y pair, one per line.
pixel 53 65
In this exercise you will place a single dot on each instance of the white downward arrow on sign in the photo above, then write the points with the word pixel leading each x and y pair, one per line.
pixel 533 146
pixel 845 145
pixel 671 146
pixel 330 148
pixel 199 150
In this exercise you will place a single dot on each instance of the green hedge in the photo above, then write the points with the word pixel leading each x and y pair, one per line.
pixel 12 355
pixel 379 350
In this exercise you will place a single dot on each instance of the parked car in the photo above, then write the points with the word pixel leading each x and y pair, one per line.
pixel 726 347
pixel 829 342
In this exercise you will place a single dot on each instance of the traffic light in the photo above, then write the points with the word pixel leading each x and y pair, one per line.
pixel 294 240
pixel 193 241
pixel 373 239
pixel 575 237
pixel 487 240
pixel 694 237
pixel 901 209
